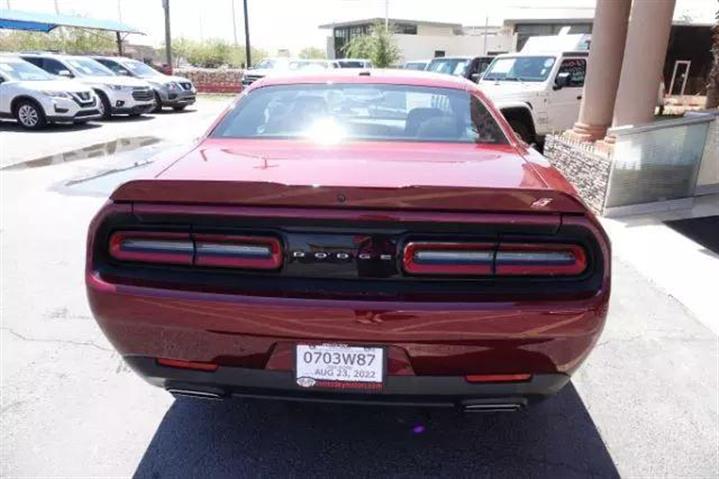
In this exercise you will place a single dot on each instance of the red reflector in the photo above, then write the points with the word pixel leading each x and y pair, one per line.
pixel 179 363
pixel 448 258
pixel 250 252
pixel 152 247
pixel 497 378
pixel 545 259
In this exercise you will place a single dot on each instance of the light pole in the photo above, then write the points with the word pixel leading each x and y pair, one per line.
pixel 247 38
pixel 168 37
pixel 234 23
pixel 386 14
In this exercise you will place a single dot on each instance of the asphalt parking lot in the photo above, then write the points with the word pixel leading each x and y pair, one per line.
pixel 645 404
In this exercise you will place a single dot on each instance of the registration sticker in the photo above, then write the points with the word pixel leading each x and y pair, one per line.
pixel 339 366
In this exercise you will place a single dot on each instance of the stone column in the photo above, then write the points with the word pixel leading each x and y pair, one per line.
pixel 604 65
pixel 650 23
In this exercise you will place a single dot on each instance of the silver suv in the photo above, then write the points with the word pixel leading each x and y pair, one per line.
pixel 175 92
pixel 118 95
pixel 35 98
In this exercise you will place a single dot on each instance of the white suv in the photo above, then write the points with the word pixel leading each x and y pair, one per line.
pixel 118 95
pixel 539 89
pixel 35 98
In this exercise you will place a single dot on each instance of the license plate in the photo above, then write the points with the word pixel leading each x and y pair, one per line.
pixel 339 366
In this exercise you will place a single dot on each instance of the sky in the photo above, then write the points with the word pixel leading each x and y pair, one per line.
pixel 293 24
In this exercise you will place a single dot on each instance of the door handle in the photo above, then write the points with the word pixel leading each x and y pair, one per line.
pixel 579 97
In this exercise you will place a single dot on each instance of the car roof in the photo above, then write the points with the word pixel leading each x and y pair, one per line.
pixel 50 55
pixel 11 58
pixel 366 76
pixel 457 57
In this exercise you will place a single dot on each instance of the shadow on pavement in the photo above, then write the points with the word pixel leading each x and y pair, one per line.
pixel 248 438
pixel 703 230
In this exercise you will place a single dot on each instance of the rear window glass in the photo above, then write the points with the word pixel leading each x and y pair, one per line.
pixel 335 112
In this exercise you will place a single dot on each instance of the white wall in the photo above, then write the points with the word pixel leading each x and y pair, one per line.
pixel 433 30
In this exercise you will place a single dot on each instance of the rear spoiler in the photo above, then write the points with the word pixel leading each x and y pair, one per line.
pixel 303 196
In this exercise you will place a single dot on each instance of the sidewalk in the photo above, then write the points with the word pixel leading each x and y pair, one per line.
pixel 673 262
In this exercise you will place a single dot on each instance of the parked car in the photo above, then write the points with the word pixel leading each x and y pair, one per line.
pixel 35 98
pixel 270 66
pixel 416 65
pixel 353 63
pixel 317 65
pixel 307 248
pixel 470 68
pixel 539 90
pixel 265 67
pixel 118 95
pixel 172 91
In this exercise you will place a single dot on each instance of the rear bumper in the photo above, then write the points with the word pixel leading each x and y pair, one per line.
pixel 434 391
pixel 429 339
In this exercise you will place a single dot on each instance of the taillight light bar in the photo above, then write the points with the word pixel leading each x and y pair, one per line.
pixel 152 247
pixel 527 259
pixel 247 252
pixel 490 259
pixel 448 258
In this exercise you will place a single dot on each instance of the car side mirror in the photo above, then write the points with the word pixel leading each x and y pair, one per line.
pixel 475 77
pixel 562 80
pixel 123 73
pixel 65 73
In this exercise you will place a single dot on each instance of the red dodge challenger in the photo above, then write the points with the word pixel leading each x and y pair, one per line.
pixel 362 236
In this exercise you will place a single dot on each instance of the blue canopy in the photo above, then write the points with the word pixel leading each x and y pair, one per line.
pixel 45 22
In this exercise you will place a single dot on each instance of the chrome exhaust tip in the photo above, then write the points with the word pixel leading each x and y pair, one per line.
pixel 493 407
pixel 194 393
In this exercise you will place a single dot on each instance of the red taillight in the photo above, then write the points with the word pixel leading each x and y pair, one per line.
pixel 448 258
pixel 497 378
pixel 250 252
pixel 487 259
pixel 151 247
pixel 540 259
pixel 181 364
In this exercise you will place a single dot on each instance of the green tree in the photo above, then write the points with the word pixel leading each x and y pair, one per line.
pixel 212 53
pixel 313 53
pixel 181 48
pixel 67 40
pixel 238 58
pixel 378 46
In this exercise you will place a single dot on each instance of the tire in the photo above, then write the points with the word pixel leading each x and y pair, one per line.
pixel 158 104
pixel 30 115
pixel 104 106
pixel 522 130
pixel 179 108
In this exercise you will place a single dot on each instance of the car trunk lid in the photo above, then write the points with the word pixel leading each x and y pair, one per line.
pixel 367 175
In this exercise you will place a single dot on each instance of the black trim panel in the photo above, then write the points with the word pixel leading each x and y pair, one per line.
pixel 373 280
pixel 445 391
